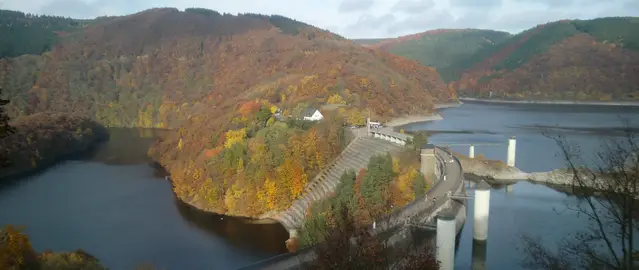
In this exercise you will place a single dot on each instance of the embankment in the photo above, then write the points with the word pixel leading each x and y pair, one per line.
pixel 411 119
pixel 448 105
pixel 43 139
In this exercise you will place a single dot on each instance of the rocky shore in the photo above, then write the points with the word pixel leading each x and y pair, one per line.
pixel 497 172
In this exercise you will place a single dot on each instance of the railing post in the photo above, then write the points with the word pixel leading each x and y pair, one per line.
pixel 429 162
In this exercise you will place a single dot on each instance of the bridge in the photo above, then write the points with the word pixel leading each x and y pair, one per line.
pixel 448 180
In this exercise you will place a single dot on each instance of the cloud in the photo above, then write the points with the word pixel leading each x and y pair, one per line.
pixel 431 19
pixel 477 3
pixel 413 6
pixel 348 6
pixel 363 18
pixel 370 25
pixel 80 9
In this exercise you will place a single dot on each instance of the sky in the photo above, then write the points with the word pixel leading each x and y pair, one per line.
pixel 362 18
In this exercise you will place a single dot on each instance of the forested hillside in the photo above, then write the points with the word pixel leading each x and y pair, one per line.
pixel 22 33
pixel 158 67
pixel 571 60
pixel 217 80
pixel 442 49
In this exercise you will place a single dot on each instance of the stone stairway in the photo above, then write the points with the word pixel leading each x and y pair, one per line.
pixel 354 157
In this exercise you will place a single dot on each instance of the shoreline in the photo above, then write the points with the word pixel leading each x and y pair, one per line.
pixel 448 105
pixel 553 102
pixel 412 119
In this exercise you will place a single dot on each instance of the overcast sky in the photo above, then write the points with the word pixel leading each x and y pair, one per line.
pixel 363 18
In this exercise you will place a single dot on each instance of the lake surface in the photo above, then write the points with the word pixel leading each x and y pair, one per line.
pixel 116 206
pixel 529 209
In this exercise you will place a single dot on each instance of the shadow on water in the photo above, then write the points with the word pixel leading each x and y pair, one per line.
pixel 237 231
pixel 115 204
pixel 126 146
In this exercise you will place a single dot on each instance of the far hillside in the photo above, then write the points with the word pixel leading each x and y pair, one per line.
pixel 566 60
pixel 22 33
pixel 441 48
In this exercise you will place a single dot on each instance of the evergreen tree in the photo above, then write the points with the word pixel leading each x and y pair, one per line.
pixel 5 128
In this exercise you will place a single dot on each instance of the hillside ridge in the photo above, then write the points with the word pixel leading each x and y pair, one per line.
pixel 439 48
pixel 535 65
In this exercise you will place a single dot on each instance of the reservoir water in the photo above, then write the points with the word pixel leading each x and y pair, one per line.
pixel 529 209
pixel 115 206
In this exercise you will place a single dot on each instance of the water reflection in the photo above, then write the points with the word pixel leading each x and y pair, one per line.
pixel 126 146
pixel 268 238
pixel 115 206
pixel 479 255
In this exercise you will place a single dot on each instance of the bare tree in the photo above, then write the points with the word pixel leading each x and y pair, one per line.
pixel 609 202
pixel 348 246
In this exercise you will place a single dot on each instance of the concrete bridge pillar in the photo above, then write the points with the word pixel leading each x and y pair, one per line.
pixel 446 240
pixel 471 151
pixel 428 162
pixel 509 188
pixel 368 126
pixel 512 146
pixel 482 209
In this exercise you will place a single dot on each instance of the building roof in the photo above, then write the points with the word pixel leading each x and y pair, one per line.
pixel 308 112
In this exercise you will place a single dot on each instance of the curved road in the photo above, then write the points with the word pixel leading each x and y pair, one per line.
pixel 453 172
pixel 423 207
pixel 454 178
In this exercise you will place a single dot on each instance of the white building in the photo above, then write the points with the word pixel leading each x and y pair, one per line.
pixel 375 124
pixel 312 114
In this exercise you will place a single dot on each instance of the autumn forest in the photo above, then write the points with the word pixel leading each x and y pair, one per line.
pixel 591 60
pixel 232 88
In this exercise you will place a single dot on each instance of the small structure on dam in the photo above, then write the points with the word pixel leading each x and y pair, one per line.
pixel 429 162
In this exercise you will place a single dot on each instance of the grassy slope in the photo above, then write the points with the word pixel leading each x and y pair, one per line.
pixel 441 49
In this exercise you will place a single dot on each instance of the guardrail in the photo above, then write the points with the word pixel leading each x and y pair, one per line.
pixel 395 137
